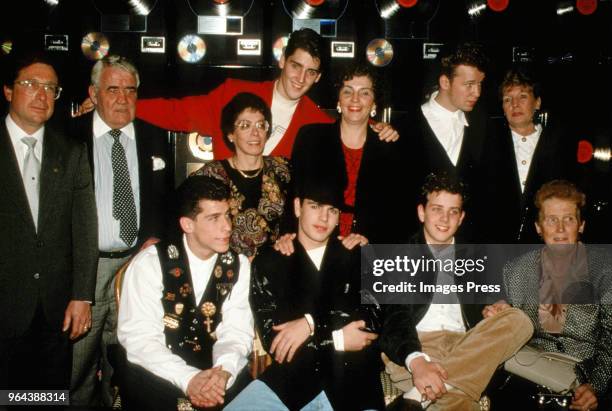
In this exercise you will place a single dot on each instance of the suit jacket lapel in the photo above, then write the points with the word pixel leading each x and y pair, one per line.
pixel 432 146
pixel 145 167
pixel 51 169
pixel 509 154
pixel 12 181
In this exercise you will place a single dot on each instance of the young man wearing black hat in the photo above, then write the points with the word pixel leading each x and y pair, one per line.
pixel 308 312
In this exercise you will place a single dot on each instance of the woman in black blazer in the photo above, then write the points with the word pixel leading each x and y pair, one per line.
pixel 367 168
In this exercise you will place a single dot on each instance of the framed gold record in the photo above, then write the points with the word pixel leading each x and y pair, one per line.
pixel 95 46
pixel 379 52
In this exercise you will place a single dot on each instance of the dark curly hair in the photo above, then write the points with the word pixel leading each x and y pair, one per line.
pixel 358 69
pixel 196 188
pixel 443 182
pixel 231 111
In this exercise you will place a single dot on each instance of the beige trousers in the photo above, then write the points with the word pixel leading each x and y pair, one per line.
pixel 470 358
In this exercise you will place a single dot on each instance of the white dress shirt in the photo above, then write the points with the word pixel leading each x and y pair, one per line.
pixel 16 134
pixel 524 147
pixel 140 327
pixel 448 126
pixel 282 112
pixel 108 226
pixel 439 317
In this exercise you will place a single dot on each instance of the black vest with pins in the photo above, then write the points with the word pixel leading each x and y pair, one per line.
pixel 190 327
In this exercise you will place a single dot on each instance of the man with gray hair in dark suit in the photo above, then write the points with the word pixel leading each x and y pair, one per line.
pixel 129 160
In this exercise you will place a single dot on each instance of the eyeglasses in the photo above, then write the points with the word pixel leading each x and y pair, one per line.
pixel 32 87
pixel 554 221
pixel 348 91
pixel 244 125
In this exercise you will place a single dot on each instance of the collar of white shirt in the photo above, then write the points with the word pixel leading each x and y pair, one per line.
pixel 316 255
pixel 437 110
pixel 100 128
pixel 532 138
pixel 16 134
pixel 200 270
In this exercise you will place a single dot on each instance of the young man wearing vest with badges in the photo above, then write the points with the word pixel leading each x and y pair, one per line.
pixel 184 316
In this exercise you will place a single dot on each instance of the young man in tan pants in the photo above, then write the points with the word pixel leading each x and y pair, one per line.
pixel 447 351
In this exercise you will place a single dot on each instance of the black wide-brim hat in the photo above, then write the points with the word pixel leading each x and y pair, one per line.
pixel 323 187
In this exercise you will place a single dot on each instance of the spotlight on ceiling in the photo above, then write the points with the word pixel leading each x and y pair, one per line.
pixel 52 2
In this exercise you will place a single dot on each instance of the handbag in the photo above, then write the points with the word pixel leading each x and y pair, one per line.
pixel 552 370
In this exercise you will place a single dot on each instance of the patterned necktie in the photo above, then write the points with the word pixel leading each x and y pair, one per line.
pixel 31 177
pixel 124 209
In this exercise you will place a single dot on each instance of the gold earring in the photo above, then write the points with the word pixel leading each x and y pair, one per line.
pixel 373 112
pixel 339 109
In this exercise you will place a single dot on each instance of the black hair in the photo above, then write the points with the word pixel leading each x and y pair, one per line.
pixel 196 188
pixel 310 41
pixel 358 69
pixel 18 62
pixel 443 182
pixel 231 111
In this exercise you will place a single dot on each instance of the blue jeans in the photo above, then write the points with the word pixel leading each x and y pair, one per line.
pixel 258 396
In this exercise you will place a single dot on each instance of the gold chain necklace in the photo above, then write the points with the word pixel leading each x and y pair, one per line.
pixel 242 173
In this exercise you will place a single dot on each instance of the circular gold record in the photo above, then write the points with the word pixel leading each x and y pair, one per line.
pixel 191 48
pixel 95 46
pixel 379 52
pixel 279 47
pixel 6 46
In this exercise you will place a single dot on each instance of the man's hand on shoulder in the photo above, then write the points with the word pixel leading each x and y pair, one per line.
pixel 385 132
pixel 77 318
pixel 291 335
pixel 86 106
pixel 352 240
pixel 284 244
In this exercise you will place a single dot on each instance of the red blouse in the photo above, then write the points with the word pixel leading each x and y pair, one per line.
pixel 352 160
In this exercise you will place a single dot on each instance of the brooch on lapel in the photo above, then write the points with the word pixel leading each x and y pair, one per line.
pixel 158 163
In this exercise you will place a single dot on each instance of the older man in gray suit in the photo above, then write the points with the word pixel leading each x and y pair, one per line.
pixel 48 246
